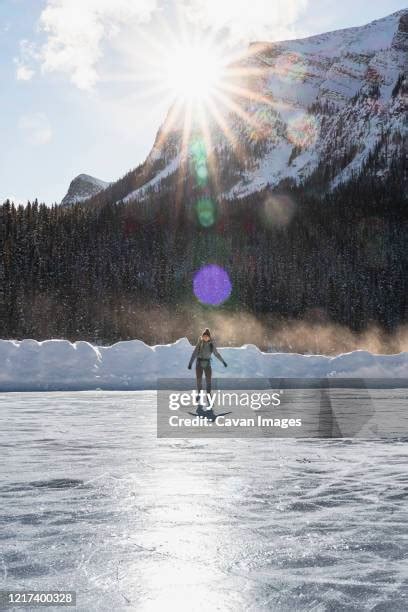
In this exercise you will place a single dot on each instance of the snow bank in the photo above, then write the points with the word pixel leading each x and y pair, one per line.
pixel 29 365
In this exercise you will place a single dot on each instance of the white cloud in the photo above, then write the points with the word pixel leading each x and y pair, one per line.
pixel 247 20
pixel 80 34
pixel 25 62
pixel 35 128
pixel 24 73
pixel 77 29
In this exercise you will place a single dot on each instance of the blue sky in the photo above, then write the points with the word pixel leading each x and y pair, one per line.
pixel 78 80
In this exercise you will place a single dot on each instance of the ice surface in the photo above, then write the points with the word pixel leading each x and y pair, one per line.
pixel 91 500
pixel 61 365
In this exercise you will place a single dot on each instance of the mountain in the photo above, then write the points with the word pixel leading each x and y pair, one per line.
pixel 82 188
pixel 319 264
pixel 316 111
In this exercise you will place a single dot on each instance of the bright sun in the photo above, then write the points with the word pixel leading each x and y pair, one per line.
pixel 203 84
pixel 193 73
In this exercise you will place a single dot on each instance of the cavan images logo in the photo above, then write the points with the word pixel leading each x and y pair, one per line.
pixel 280 408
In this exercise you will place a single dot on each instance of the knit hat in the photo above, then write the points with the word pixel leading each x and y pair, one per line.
pixel 206 332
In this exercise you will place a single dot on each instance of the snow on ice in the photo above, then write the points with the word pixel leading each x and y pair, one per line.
pixel 28 365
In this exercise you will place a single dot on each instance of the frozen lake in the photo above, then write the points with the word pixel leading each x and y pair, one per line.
pixel 92 501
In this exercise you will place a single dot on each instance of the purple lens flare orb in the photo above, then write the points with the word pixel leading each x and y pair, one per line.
pixel 212 285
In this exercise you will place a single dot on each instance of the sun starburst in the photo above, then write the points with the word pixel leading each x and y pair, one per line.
pixel 210 89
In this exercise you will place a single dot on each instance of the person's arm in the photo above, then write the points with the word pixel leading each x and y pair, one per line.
pixel 194 355
pixel 217 354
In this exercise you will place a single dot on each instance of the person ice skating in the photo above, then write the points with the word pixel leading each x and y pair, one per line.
pixel 205 347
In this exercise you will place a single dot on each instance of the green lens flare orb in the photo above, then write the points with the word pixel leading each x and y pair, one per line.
pixel 206 212
pixel 202 175
pixel 198 152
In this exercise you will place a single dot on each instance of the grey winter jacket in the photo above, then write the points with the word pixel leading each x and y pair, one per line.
pixel 204 350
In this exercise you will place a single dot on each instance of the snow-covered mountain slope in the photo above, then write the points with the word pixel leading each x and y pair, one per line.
pixel 340 97
pixel 323 109
pixel 83 187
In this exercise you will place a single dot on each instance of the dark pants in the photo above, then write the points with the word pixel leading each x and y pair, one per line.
pixel 199 373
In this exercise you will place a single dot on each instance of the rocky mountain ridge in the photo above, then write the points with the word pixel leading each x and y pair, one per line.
pixel 323 109
pixel 83 187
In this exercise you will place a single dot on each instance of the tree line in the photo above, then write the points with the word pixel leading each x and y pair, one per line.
pixel 120 271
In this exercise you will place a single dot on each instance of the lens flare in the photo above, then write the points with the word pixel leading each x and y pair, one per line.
pixel 198 154
pixel 303 130
pixel 265 121
pixel 206 212
pixel 212 285
pixel 278 211
pixel 193 72
pixel 202 175
pixel 198 151
pixel 290 66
